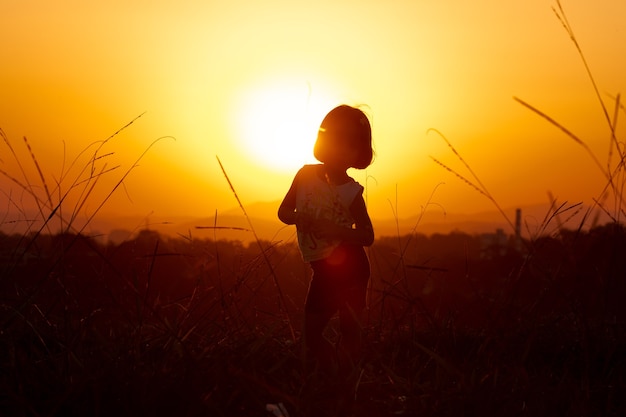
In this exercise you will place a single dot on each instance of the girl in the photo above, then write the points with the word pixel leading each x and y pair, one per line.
pixel 333 226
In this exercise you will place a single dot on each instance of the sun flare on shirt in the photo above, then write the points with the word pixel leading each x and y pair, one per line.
pixel 277 124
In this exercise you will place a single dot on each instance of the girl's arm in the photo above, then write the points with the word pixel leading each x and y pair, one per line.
pixel 363 232
pixel 287 209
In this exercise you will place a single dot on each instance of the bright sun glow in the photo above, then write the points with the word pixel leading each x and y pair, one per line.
pixel 277 124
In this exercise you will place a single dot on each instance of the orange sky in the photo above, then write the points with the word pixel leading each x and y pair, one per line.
pixel 218 76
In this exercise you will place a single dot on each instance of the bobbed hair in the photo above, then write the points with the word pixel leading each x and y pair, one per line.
pixel 345 125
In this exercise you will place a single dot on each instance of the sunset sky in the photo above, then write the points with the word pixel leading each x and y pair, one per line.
pixel 250 81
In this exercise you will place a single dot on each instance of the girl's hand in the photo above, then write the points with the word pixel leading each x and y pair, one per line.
pixel 327 229
pixel 304 222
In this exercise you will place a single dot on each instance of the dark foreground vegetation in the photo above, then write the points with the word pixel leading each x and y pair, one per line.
pixel 197 327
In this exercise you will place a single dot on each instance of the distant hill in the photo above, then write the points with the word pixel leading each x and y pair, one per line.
pixel 233 225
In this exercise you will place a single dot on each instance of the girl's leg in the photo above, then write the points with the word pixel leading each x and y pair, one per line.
pixel 350 344
pixel 319 308
pixel 349 355
pixel 320 354
pixel 351 320
pixel 352 307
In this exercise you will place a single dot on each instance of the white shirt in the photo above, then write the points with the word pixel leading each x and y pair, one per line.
pixel 322 200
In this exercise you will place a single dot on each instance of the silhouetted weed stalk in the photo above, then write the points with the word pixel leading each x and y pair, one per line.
pixel 42 260
pixel 76 183
pixel 613 170
pixel 52 205
pixel 573 316
pixel 263 251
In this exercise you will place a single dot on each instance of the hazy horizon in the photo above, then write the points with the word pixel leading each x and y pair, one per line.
pixel 232 224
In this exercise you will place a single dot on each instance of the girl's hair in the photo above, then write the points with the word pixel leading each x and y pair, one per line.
pixel 345 125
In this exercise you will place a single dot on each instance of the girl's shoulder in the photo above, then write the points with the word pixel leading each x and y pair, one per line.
pixel 310 171
pixel 312 167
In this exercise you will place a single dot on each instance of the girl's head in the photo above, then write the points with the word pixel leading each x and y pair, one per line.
pixel 345 131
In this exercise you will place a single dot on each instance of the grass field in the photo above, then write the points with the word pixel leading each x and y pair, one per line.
pixel 167 326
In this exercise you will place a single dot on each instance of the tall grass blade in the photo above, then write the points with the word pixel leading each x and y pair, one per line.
pixel 566 131
pixel 480 187
pixel 120 182
pixel 560 14
pixel 283 304
pixel 41 176
pixel 27 186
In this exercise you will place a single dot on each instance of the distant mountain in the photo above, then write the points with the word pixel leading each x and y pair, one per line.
pixel 534 219
pixel 233 225
pixel 262 209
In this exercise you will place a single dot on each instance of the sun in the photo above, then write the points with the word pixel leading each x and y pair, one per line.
pixel 277 123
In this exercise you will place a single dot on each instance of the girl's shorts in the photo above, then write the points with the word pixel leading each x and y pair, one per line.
pixel 339 281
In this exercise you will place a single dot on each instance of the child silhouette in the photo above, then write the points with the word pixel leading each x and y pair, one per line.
pixel 333 227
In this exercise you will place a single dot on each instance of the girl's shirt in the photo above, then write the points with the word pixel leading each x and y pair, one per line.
pixel 322 200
